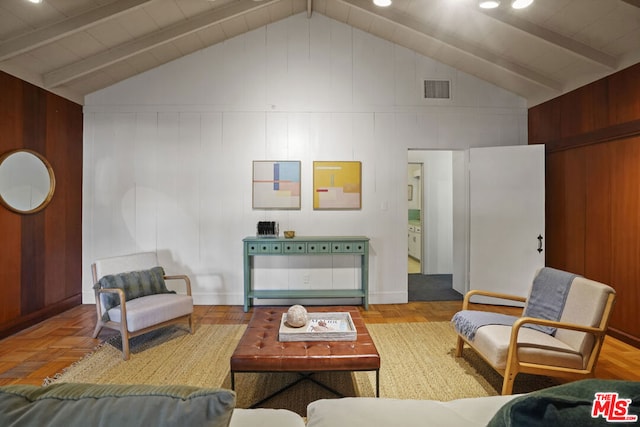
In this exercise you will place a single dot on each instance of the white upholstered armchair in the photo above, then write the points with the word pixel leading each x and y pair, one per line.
pixel 560 333
pixel 132 297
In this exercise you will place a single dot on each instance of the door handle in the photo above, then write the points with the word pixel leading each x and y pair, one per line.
pixel 539 243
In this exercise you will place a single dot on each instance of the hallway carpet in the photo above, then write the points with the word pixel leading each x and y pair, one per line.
pixel 432 287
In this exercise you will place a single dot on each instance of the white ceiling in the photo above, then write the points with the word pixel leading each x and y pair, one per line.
pixel 75 47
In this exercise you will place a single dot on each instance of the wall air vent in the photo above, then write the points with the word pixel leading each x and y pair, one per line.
pixel 437 89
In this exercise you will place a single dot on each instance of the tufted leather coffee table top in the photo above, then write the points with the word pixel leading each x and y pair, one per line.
pixel 260 351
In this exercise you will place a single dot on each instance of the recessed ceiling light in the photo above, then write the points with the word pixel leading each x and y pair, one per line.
pixel 382 3
pixel 488 4
pixel 521 4
pixel 35 1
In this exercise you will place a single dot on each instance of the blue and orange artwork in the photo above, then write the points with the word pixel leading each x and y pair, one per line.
pixel 276 184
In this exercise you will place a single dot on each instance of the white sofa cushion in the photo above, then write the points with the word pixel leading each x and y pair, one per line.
pixel 263 417
pixel 370 411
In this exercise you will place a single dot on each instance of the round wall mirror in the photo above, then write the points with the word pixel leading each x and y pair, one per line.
pixel 27 181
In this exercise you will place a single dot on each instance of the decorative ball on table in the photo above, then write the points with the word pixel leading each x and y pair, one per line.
pixel 297 316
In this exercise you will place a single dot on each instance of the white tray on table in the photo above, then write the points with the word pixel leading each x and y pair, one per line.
pixel 320 327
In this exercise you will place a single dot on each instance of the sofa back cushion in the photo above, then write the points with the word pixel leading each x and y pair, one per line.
pixel 70 405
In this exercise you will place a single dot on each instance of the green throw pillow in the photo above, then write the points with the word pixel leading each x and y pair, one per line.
pixel 135 284
pixel 574 404
pixel 81 405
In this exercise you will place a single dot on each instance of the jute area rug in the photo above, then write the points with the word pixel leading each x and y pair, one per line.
pixel 417 362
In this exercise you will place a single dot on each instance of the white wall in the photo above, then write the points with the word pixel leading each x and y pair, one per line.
pixel 168 153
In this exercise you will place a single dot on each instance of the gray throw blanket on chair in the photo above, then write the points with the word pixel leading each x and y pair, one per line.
pixel 467 322
pixel 548 295
pixel 546 301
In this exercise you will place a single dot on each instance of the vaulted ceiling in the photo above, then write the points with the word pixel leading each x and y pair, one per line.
pixel 75 47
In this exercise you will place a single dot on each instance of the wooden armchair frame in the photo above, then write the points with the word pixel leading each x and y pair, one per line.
pixel 122 326
pixel 514 366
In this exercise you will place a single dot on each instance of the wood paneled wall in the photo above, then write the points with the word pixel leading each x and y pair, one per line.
pixel 41 253
pixel 592 138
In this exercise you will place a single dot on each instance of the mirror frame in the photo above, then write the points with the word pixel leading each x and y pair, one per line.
pixel 52 182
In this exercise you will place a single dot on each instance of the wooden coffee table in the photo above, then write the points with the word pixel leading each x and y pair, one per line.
pixel 260 351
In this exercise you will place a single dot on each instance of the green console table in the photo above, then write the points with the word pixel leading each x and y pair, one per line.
pixel 325 245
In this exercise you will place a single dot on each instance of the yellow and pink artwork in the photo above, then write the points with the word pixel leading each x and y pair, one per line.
pixel 337 185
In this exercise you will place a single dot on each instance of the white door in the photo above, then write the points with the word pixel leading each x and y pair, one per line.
pixel 507 207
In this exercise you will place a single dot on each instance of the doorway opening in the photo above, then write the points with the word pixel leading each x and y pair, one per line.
pixel 415 215
pixel 430 184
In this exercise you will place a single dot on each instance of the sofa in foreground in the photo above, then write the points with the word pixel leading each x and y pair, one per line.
pixel 584 403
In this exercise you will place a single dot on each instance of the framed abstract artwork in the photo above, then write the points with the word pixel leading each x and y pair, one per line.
pixel 276 184
pixel 337 185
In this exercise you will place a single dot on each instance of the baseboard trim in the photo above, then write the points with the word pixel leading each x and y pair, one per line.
pixel 624 337
pixel 23 322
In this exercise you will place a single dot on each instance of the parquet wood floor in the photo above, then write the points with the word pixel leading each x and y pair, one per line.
pixel 45 349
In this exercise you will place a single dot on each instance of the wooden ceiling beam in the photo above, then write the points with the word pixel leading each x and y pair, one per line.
pixel 142 44
pixel 450 39
pixel 49 34
pixel 553 38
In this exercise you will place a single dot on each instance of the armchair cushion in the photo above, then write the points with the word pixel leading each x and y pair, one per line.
pixel 492 341
pixel 570 404
pixel 152 310
pixel 585 305
pixel 135 284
